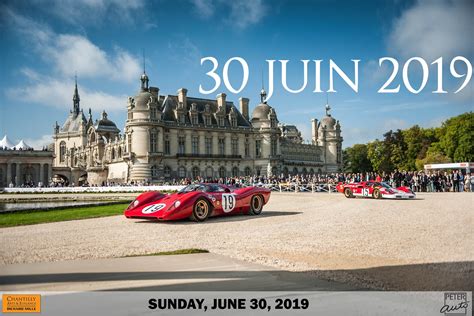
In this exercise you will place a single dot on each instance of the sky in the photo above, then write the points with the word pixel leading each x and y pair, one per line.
pixel 46 43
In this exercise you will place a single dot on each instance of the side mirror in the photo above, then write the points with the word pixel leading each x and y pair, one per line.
pixel 227 190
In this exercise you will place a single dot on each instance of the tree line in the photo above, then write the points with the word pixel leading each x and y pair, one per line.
pixel 410 149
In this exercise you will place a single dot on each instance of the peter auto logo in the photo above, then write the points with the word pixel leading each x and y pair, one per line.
pixel 455 303
pixel 21 303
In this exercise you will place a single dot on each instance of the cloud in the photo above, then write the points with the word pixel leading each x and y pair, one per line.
pixel 431 29
pixel 95 12
pixel 39 143
pixel 58 93
pixel 205 8
pixel 182 50
pixel 70 53
pixel 246 12
pixel 242 13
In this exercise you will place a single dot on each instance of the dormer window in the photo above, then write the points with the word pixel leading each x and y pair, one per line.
pixel 207 120
pixel 153 113
pixel 233 121
pixel 221 121
pixel 194 119
pixel 182 118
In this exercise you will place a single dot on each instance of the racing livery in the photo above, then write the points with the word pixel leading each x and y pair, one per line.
pixel 376 190
pixel 198 202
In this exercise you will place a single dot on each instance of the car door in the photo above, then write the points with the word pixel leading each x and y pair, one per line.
pixel 226 200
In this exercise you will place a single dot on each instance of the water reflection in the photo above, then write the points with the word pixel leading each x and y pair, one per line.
pixel 21 206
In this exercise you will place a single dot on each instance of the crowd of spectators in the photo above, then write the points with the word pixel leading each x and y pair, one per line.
pixel 418 181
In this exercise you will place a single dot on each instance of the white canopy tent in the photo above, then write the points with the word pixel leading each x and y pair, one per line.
pixel 22 146
pixel 6 143
pixel 468 166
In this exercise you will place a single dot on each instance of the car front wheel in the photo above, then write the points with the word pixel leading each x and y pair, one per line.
pixel 348 193
pixel 256 205
pixel 201 210
pixel 377 194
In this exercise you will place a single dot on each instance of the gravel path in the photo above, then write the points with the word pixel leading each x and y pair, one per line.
pixel 424 244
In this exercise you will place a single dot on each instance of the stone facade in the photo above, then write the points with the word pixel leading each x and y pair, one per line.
pixel 177 136
pixel 25 167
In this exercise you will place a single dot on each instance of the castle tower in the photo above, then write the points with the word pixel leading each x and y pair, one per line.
pixel 142 132
pixel 329 137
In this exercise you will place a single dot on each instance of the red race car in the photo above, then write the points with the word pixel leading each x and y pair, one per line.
pixel 376 190
pixel 198 202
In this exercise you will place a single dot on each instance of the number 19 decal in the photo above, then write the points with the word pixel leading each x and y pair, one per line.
pixel 228 202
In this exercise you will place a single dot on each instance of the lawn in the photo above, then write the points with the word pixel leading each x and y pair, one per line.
pixel 59 215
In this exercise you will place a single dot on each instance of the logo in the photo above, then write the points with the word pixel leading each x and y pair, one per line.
pixel 153 208
pixel 455 303
pixel 21 303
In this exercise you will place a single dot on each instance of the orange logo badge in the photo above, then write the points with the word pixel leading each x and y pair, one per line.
pixel 21 303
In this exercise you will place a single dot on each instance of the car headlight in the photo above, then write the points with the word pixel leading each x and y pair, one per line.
pixel 135 203
pixel 177 204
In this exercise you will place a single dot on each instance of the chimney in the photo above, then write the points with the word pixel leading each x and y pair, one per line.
pixel 244 107
pixel 314 131
pixel 155 91
pixel 182 96
pixel 221 100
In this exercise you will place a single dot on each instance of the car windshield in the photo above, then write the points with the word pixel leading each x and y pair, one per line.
pixel 385 185
pixel 193 187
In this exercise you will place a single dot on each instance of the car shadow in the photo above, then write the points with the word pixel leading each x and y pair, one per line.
pixel 219 219
pixel 438 276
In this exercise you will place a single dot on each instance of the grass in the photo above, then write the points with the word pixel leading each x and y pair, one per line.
pixel 174 252
pixel 58 215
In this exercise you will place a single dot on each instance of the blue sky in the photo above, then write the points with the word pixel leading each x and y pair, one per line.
pixel 45 42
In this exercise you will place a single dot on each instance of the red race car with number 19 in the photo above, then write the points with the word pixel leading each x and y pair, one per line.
pixel 376 190
pixel 198 202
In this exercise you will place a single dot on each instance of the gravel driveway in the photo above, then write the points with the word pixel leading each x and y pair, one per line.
pixel 423 244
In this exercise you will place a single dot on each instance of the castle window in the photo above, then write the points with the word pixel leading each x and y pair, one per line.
pixel 112 155
pixel 235 146
pixel 235 172
pixel 207 119
pixel 182 172
pixel 195 119
pixel 208 145
pixel 221 121
pixel 272 123
pixel 181 144
pixel 167 147
pixel 258 148
pixel 274 147
pixel 234 122
pixel 120 152
pixel 247 148
pixel 129 145
pixel 62 151
pixel 195 145
pixel 167 172
pixel 154 172
pixel 182 118
pixel 222 146
pixel 196 172
pixel 248 171
pixel 222 172
pixel 153 113
pixel 153 142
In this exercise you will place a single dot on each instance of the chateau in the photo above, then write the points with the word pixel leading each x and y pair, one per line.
pixel 177 136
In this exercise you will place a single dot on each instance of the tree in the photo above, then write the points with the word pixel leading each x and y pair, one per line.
pixel 433 155
pixel 456 137
pixel 356 158
pixel 379 156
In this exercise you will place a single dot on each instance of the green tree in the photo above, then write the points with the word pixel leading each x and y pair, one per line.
pixel 456 137
pixel 433 155
pixel 417 141
pixel 379 156
pixel 356 159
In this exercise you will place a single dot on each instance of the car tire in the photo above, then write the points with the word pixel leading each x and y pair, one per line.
pixel 256 204
pixel 376 194
pixel 201 210
pixel 348 193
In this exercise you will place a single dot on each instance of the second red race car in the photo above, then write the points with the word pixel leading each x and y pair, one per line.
pixel 376 190
pixel 198 202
